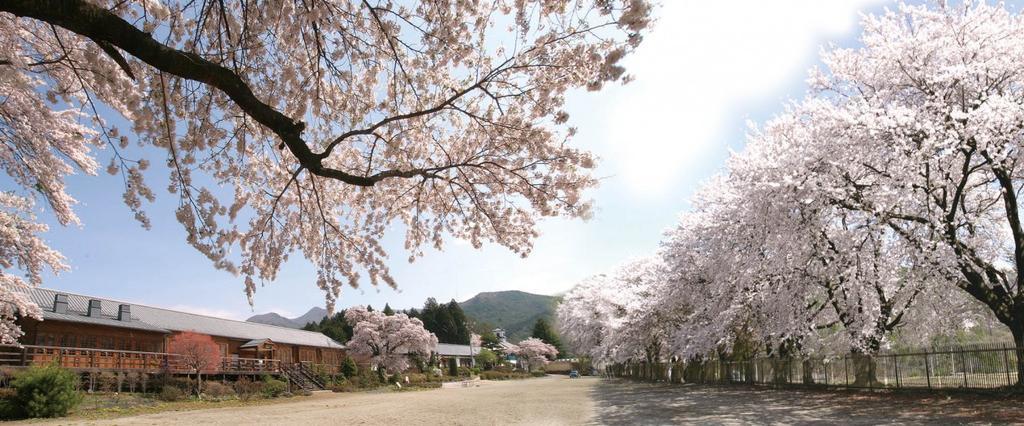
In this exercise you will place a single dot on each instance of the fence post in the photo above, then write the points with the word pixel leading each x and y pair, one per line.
pixel 846 370
pixel 927 369
pixel 896 366
pixel 1006 361
pixel 963 365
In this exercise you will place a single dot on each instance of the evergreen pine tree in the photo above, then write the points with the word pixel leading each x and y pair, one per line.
pixel 543 331
pixel 460 328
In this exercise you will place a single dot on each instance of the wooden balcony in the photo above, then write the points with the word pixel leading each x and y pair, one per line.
pixel 80 359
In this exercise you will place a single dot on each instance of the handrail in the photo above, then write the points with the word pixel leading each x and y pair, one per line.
pixel 74 357
pixel 71 348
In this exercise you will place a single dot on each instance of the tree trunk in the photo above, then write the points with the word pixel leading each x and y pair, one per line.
pixel 864 370
pixel 780 370
pixel 724 372
pixel 1018 348
pixel 808 372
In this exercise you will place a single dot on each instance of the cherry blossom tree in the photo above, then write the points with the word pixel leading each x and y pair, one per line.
pixel 534 352
pixel 780 263
pixel 311 127
pixel 588 314
pixel 388 340
pixel 920 131
pixel 621 316
pixel 23 249
pixel 883 203
pixel 197 352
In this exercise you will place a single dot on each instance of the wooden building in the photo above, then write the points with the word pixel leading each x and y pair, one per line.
pixel 88 333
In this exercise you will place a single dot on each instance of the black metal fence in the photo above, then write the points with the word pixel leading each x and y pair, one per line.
pixel 985 366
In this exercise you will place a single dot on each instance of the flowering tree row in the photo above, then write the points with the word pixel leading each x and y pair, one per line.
pixel 885 202
pixel 301 126
pixel 388 341
pixel 533 352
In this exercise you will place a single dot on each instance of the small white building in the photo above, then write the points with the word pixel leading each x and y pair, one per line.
pixel 465 355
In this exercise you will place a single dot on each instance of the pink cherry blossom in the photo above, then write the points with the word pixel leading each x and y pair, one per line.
pixel 388 340
pixel 312 128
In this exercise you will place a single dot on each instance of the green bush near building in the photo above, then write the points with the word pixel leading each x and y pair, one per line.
pixel 273 388
pixel 48 391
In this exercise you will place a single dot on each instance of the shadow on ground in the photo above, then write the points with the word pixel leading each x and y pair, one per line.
pixel 621 402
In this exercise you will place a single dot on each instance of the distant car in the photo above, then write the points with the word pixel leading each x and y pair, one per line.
pixel 574 374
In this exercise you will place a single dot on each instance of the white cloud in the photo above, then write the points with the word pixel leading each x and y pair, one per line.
pixel 703 59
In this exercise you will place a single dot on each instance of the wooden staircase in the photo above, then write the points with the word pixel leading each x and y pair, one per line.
pixel 303 376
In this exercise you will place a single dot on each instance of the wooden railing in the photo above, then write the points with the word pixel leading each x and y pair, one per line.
pixel 250 365
pixel 109 359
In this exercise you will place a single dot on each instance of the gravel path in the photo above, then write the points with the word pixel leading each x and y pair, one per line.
pixel 563 401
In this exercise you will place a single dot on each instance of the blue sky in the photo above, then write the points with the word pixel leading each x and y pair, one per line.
pixel 705 70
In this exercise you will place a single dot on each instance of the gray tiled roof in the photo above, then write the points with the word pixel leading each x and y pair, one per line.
pixel 135 324
pixel 159 319
pixel 455 350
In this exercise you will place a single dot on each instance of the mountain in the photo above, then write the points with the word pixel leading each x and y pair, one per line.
pixel 513 310
pixel 314 315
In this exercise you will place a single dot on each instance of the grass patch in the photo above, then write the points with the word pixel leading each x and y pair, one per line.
pixel 98 406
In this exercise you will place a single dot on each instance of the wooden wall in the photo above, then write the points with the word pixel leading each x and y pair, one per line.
pixel 79 335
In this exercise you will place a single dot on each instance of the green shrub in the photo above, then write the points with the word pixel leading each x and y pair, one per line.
pixel 504 368
pixel 486 358
pixel 539 374
pixel 170 393
pixel 504 375
pixel 273 388
pixel 218 390
pixel 367 379
pixel 9 410
pixel 343 386
pixel 246 389
pixel 46 391
pixel 494 375
pixel 349 367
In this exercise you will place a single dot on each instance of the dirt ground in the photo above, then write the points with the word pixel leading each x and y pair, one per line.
pixel 544 401
pixel 559 400
pixel 620 402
